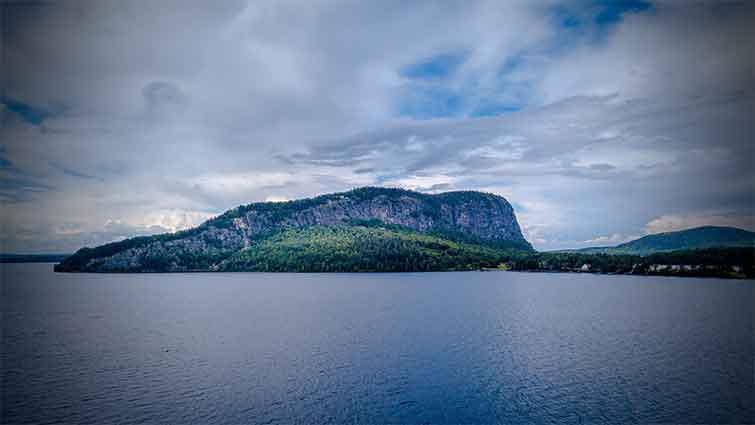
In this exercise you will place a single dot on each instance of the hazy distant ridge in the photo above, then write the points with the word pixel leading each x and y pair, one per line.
pixel 696 238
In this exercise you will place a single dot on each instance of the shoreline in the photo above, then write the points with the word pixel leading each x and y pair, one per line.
pixel 150 272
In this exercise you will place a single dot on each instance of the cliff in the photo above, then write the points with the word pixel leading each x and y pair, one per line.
pixel 467 221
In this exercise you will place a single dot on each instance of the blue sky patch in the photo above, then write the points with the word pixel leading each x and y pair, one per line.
pixel 425 103
pixel 593 19
pixel 436 67
pixel 611 12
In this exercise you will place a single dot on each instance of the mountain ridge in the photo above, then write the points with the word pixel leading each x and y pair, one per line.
pixel 694 238
pixel 467 217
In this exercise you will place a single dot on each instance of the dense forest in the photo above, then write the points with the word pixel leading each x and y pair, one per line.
pixel 722 262
pixel 374 246
pixel 362 248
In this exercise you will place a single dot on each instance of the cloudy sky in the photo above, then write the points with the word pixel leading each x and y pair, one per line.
pixel 598 121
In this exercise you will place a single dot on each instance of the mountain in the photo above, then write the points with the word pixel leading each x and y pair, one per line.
pixel 697 238
pixel 365 229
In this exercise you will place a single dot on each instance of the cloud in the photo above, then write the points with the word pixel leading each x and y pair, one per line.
pixel 66 237
pixel 17 189
pixel 73 173
pixel 162 93
pixel 610 240
pixel 273 198
pixel 697 49
pixel 176 111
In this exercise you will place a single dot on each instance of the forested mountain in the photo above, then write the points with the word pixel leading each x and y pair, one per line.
pixel 697 238
pixel 362 247
pixel 376 229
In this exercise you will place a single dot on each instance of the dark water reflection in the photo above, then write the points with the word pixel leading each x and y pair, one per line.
pixel 374 348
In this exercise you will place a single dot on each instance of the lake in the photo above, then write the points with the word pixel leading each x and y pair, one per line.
pixel 462 347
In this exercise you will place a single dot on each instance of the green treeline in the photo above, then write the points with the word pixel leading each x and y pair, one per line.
pixel 724 262
pixel 361 248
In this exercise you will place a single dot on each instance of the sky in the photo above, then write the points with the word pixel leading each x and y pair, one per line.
pixel 599 121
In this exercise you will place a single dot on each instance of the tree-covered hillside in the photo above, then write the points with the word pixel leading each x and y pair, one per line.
pixel 362 248
pixel 399 220
pixel 697 238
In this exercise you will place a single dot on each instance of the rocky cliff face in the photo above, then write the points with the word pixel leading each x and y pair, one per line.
pixel 475 216
pixel 482 215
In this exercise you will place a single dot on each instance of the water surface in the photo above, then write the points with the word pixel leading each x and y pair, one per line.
pixel 466 347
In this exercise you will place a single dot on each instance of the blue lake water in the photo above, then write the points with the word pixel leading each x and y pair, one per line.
pixel 466 347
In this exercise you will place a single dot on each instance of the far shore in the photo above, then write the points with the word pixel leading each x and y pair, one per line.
pixel 735 276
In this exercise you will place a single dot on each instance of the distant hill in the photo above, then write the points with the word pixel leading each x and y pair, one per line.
pixel 32 258
pixel 697 238
pixel 366 229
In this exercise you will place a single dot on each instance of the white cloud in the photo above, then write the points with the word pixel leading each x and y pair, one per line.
pixel 174 220
pixel 239 182
pixel 274 198
pixel 176 111
pixel 423 182
pixel 610 240
pixel 501 148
